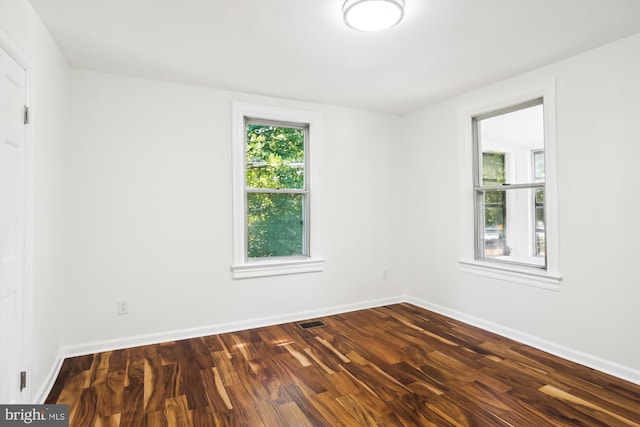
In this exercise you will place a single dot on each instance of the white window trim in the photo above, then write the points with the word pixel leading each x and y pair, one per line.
pixel 245 268
pixel 531 276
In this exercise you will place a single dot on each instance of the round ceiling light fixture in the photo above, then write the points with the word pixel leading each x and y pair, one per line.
pixel 372 15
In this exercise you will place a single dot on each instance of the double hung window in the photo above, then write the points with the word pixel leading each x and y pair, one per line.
pixel 276 191
pixel 509 185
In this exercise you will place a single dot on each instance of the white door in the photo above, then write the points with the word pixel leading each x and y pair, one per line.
pixel 12 226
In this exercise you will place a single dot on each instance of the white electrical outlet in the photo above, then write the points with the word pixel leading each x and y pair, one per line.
pixel 385 275
pixel 123 306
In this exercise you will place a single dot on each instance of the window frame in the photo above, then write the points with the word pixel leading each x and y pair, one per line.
pixel 311 261
pixel 485 102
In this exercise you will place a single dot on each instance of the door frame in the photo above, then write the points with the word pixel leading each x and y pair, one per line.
pixel 20 56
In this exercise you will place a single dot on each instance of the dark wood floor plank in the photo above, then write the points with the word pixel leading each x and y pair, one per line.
pixel 216 392
pixel 587 407
pixel 331 410
pixel 310 412
pixel 269 415
pixel 189 370
pixel 109 395
pixel 154 382
pixel 110 421
pixel 156 419
pixel 225 368
pixel 205 417
pixel 397 365
pixel 243 414
pixel 85 412
pixel 177 411
pixel 133 411
pixel 357 409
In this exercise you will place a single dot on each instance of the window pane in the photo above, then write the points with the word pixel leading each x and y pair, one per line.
pixel 539 248
pixel 493 171
pixel 275 157
pixel 494 214
pixel 506 142
pixel 506 230
pixel 275 225
pixel 538 165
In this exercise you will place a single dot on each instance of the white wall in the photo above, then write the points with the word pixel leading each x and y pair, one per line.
pixel 149 208
pixel 595 315
pixel 49 105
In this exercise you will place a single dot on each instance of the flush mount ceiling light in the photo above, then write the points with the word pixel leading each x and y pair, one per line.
pixel 372 15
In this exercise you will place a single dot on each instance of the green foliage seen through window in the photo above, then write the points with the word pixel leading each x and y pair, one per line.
pixel 275 161
pixel 493 173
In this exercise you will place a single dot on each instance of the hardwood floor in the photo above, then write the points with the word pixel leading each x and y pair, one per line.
pixel 397 365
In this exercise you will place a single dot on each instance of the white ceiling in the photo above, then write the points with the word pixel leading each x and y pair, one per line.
pixel 300 49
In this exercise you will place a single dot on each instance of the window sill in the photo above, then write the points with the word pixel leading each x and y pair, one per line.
pixel 522 275
pixel 276 268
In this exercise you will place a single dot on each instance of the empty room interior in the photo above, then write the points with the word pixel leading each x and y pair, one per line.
pixel 451 205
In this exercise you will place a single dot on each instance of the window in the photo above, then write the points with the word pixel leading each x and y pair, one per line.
pixel 276 190
pixel 510 221
pixel 509 206
pixel 273 228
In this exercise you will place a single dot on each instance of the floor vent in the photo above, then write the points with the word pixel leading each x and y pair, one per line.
pixel 312 325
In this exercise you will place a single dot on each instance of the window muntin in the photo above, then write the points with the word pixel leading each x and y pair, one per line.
pixel 509 185
pixel 276 190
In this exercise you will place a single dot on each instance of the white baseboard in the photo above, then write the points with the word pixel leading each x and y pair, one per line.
pixel 46 388
pixel 135 341
pixel 606 366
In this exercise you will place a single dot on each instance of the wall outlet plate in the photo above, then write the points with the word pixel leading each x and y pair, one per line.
pixel 122 306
